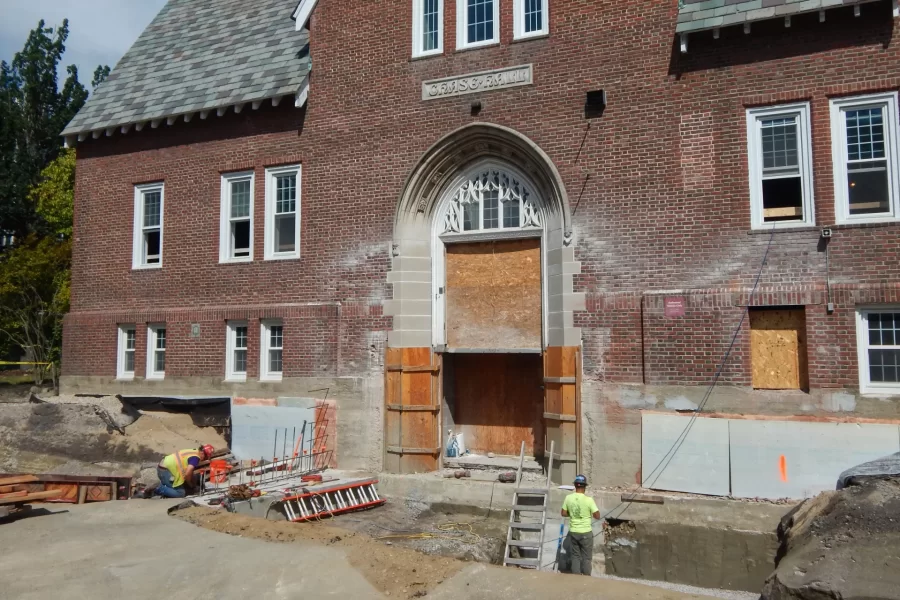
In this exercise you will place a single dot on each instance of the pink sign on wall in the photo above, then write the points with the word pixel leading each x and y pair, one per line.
pixel 674 307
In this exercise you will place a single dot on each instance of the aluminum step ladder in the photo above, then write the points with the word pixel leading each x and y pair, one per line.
pixel 308 505
pixel 532 501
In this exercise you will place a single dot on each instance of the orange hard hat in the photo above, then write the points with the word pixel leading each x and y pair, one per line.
pixel 207 450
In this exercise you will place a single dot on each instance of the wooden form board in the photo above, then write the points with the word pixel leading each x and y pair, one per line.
pixel 412 410
pixel 778 353
pixel 562 395
pixel 499 402
pixel 494 294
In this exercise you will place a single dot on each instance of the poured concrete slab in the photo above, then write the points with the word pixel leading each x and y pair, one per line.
pixel 814 454
pixel 682 454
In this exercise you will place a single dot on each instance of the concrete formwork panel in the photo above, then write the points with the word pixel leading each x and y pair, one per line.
pixel 253 427
pixel 695 461
pixel 814 454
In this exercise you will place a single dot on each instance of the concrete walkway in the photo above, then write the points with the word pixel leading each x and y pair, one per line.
pixel 133 549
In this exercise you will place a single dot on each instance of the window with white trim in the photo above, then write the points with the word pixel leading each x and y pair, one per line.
pixel 127 345
pixel 864 133
pixel 878 341
pixel 491 199
pixel 156 352
pixel 283 213
pixel 236 231
pixel 428 27
pixel 272 355
pixel 531 18
pixel 236 356
pixel 780 166
pixel 477 23
pixel 148 226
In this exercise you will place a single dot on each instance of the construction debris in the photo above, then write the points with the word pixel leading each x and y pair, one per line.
pixel 16 495
pixel 241 492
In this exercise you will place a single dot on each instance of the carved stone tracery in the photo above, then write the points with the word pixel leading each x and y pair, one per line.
pixel 492 182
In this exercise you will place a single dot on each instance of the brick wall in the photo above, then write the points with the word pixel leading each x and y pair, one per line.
pixel 657 185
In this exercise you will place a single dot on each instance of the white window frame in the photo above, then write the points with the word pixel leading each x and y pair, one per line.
pixel 230 347
pixel 519 32
pixel 121 373
pixel 839 156
pixel 862 347
pixel 225 237
pixel 755 164
pixel 152 337
pixel 137 256
pixel 271 192
pixel 265 374
pixel 462 26
pixel 418 29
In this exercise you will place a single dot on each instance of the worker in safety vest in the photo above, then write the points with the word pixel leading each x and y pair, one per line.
pixel 177 469
pixel 580 508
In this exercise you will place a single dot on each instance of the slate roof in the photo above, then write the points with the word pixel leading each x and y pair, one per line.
pixel 697 15
pixel 200 55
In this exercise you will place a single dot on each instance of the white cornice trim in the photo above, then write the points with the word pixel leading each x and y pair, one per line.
pixel 303 11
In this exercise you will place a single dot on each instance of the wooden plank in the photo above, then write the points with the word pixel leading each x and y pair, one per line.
pixel 403 408
pixel 14 494
pixel 406 369
pixel 778 351
pixel 18 479
pixel 499 403
pixel 6 489
pixel 82 494
pixel 493 294
pixel 32 497
pixel 559 417
pixel 404 450
pixel 784 211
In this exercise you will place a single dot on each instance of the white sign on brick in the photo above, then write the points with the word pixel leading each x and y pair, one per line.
pixel 477 82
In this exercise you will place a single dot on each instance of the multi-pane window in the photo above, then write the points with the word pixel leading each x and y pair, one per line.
pixel 864 137
pixel 879 350
pixel 148 226
pixel 780 166
pixel 236 239
pixel 127 345
pixel 491 199
pixel 236 359
pixel 272 351
pixel 428 23
pixel 478 22
pixel 283 213
pixel 531 18
pixel 156 351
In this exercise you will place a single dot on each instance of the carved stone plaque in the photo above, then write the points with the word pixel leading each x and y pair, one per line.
pixel 477 82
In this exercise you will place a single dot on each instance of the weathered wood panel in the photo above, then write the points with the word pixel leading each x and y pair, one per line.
pixel 499 402
pixel 561 389
pixel 411 437
pixel 494 294
pixel 778 353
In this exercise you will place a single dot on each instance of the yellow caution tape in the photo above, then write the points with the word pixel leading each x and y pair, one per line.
pixel 42 364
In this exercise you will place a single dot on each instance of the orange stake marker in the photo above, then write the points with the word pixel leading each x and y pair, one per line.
pixel 782 465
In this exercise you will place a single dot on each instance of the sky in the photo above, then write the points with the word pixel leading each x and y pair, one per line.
pixel 100 31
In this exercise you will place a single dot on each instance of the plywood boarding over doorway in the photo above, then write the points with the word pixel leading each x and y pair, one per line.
pixel 499 402
pixel 562 381
pixel 412 407
pixel 494 295
pixel 778 349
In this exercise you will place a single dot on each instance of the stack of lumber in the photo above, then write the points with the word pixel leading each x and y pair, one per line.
pixel 15 490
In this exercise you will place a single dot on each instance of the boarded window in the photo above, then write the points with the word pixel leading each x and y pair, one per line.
pixel 778 349
pixel 494 295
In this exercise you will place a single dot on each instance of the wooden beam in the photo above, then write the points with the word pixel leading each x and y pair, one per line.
pixel 188 117
pixel 276 101
pixel 402 450
pixel 821 16
pixel 140 126
pixel 684 43
pixel 558 417
pixel 238 108
pixel 256 104
pixel 18 479
pixel 414 408
pixel 716 33
pixel 14 494
pixel 407 369
pixel 204 114
pixel 171 120
pixel 221 111
pixel 747 28
pixel 34 496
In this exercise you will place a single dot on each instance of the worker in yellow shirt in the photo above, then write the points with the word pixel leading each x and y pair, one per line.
pixel 580 508
pixel 176 471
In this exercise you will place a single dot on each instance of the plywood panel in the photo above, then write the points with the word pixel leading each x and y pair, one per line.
pixel 778 349
pixel 561 375
pixel 499 402
pixel 814 454
pixel 494 294
pixel 411 417
pixel 696 461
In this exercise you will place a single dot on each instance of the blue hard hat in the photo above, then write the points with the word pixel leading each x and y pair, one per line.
pixel 581 480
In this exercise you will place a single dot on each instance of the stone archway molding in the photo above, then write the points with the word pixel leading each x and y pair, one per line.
pixel 412 271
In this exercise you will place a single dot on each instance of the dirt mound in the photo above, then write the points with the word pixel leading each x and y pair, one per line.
pixel 396 572
pixel 96 437
pixel 841 545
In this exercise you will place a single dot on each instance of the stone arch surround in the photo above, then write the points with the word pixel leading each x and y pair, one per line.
pixel 412 264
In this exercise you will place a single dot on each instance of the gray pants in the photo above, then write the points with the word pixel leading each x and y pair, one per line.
pixel 582 552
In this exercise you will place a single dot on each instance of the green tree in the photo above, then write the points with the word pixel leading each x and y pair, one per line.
pixel 53 196
pixel 33 112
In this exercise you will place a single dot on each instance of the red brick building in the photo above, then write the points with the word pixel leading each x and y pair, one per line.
pixel 531 220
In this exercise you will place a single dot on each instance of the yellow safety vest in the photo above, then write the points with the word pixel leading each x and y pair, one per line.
pixel 177 464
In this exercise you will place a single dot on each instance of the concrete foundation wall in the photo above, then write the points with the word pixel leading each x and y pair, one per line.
pixel 611 413
pixel 360 402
